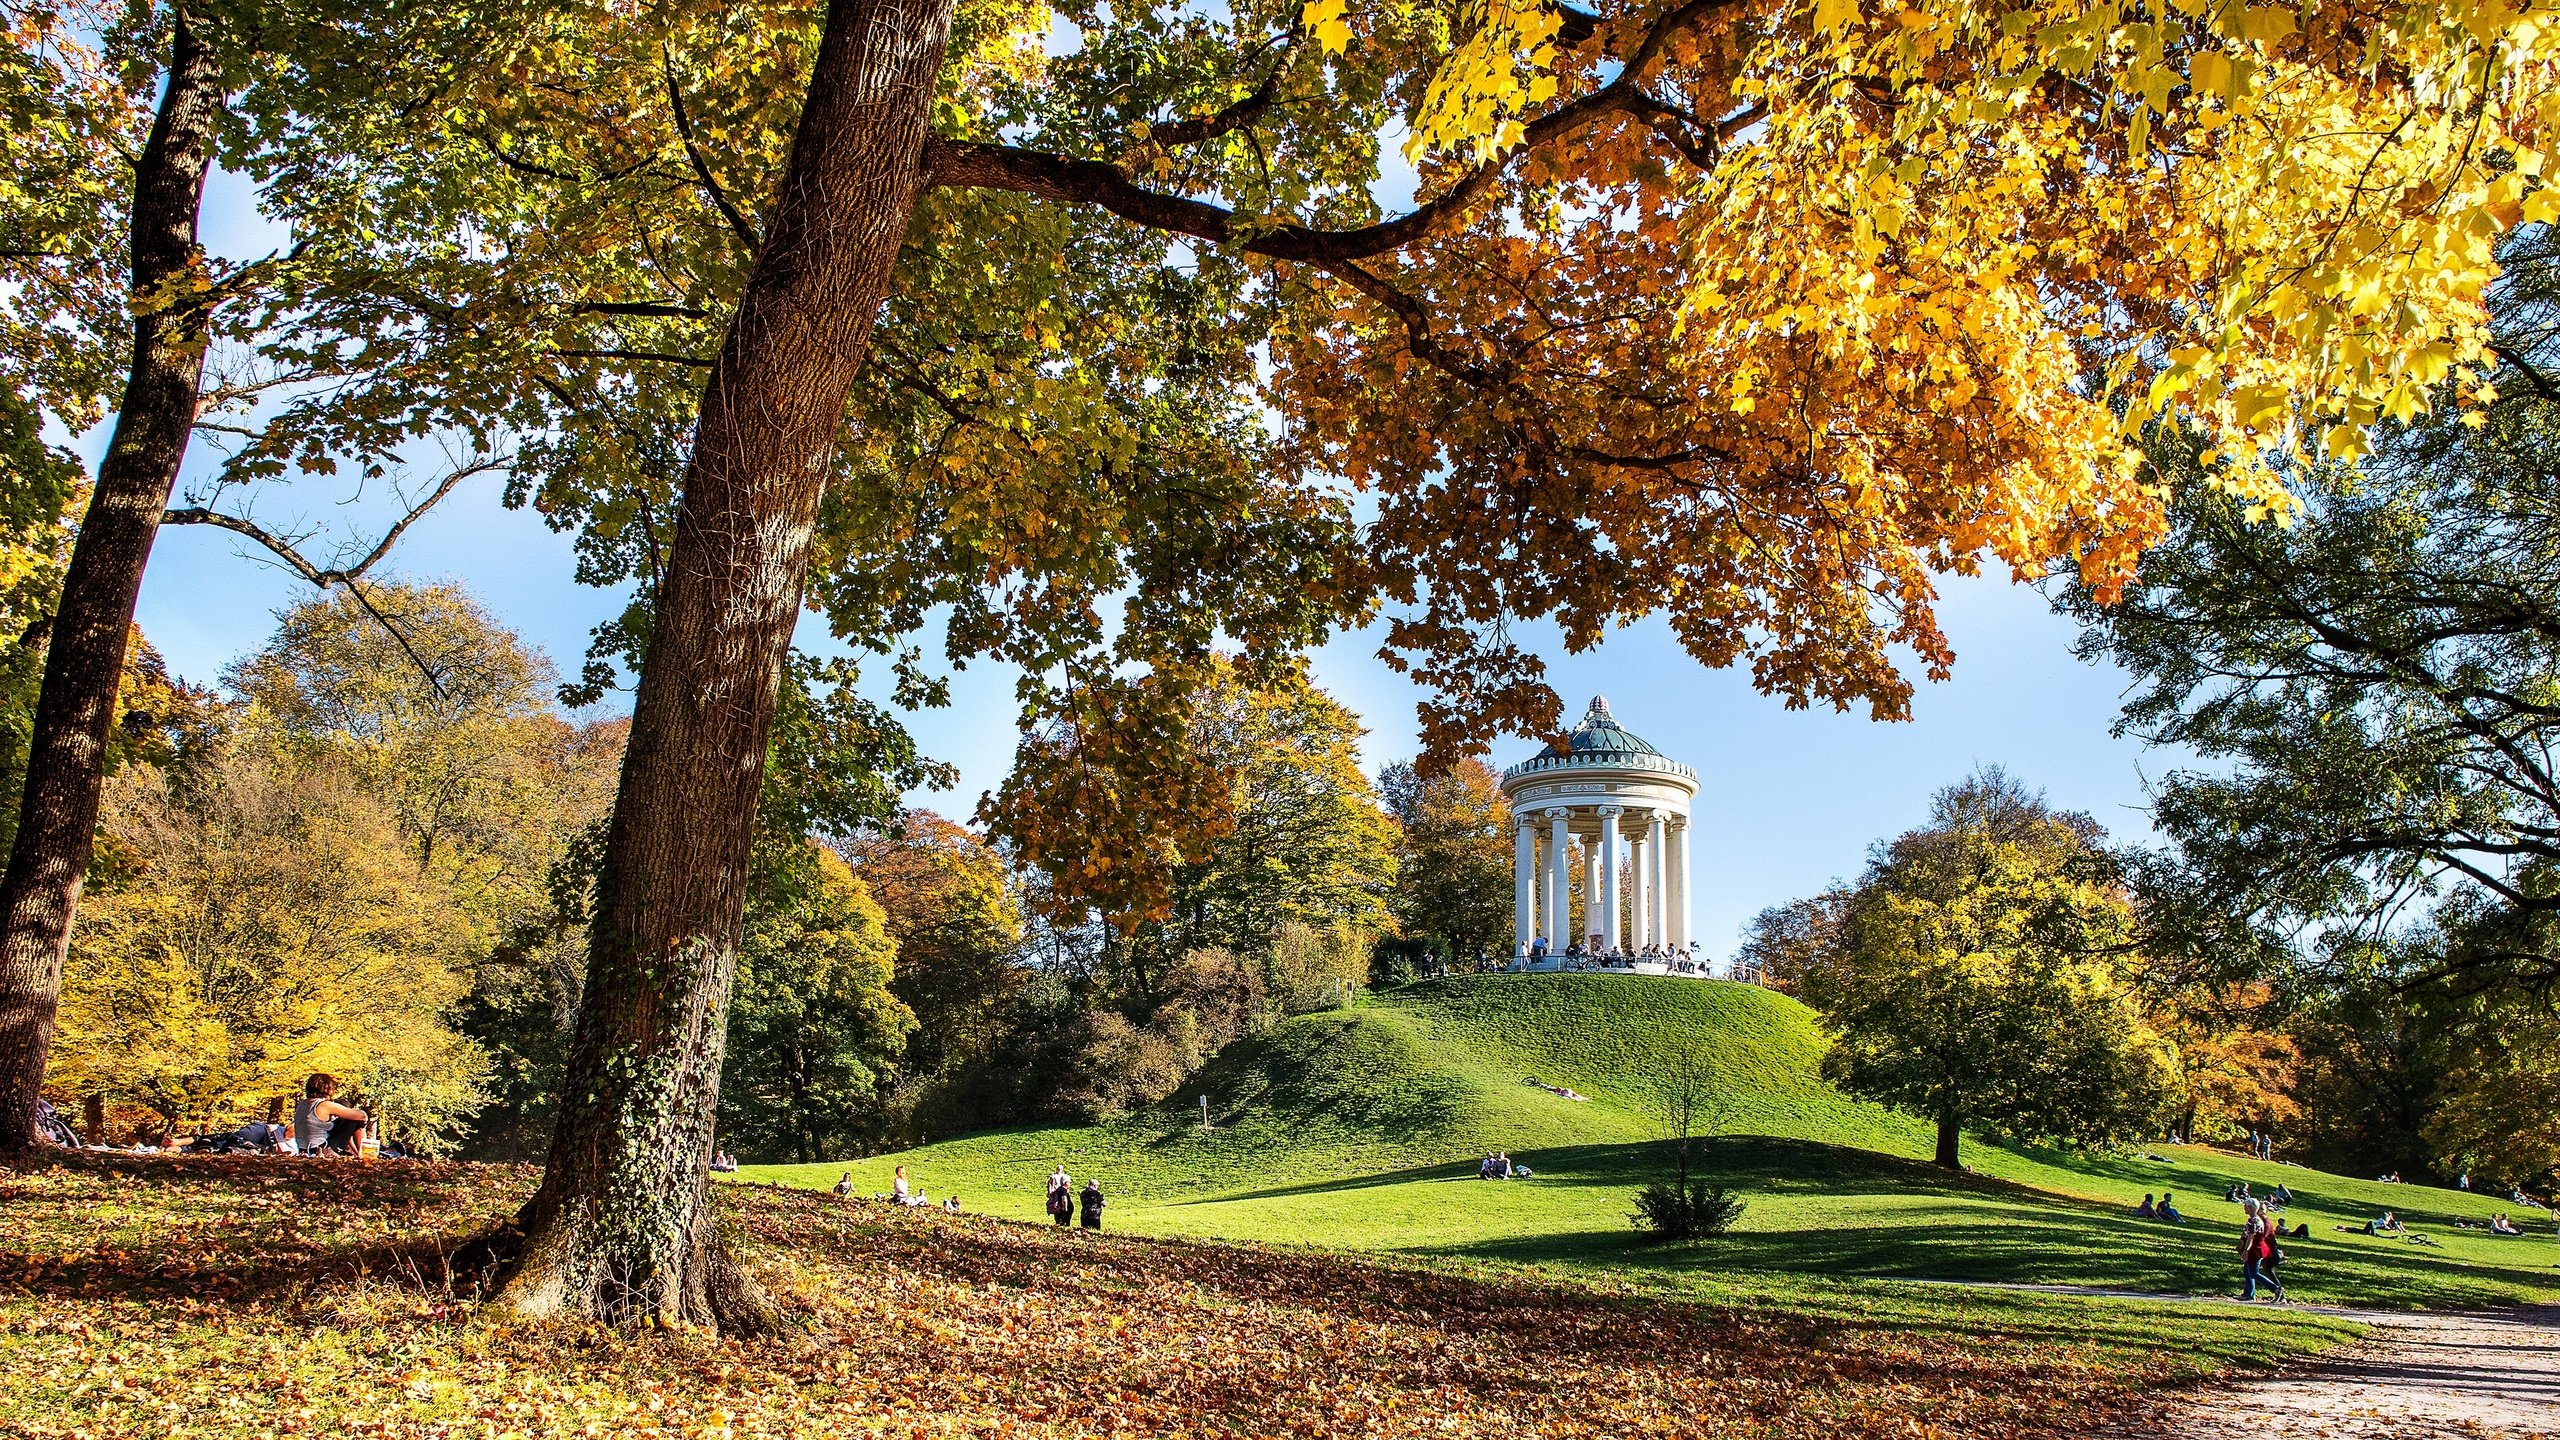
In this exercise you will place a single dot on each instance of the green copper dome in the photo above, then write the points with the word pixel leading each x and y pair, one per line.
pixel 1600 737
pixel 1598 741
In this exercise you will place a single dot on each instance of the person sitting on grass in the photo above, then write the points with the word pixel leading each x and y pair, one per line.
pixel 951 1204
pixel 2500 1225
pixel 2283 1196
pixel 844 1187
pixel 2169 1210
pixel 2146 1210
pixel 321 1125
pixel 2388 1224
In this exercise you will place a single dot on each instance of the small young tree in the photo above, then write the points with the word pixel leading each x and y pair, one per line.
pixel 1688 1207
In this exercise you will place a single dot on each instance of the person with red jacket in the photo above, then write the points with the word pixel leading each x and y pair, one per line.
pixel 2258 1254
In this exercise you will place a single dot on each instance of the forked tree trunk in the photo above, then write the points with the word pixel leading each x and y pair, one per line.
pixel 620 1228
pixel 84 661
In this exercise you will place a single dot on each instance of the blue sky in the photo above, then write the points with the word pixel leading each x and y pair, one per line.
pixel 1789 801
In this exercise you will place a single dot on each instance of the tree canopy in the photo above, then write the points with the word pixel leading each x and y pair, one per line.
pixel 1978 974
pixel 1453 858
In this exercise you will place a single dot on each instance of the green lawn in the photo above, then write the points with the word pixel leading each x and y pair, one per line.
pixel 1359 1130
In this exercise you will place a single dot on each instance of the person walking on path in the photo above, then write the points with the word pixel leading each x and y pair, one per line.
pixel 2258 1253
pixel 1092 1198
pixel 1062 1204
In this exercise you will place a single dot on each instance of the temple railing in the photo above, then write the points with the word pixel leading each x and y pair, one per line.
pixel 1618 760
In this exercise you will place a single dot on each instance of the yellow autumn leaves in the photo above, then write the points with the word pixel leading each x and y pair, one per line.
pixel 2273 222
pixel 1502 64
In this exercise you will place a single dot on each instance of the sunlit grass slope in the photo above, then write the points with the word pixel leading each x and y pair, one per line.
pixel 1360 1129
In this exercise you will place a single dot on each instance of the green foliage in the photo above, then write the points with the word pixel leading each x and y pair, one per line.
pixel 1208 1000
pixel 1977 974
pixel 2369 695
pixel 38 485
pixel 1311 969
pixel 949 903
pixel 1453 858
pixel 814 1031
pixel 1692 1210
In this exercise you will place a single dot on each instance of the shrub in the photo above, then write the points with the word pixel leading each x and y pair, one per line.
pixel 1686 1210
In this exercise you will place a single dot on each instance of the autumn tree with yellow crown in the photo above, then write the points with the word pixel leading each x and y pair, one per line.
pixel 1759 315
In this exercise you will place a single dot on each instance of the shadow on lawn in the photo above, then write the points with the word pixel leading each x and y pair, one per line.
pixel 1993 1230
pixel 1761 1163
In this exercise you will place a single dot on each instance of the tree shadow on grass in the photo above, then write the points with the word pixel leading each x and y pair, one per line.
pixel 1762 1163
pixel 1345 1070
pixel 1965 1227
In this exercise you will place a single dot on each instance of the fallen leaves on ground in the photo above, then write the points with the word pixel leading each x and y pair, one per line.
pixel 235 1298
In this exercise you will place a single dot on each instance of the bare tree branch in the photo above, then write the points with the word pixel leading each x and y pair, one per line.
pixel 349 576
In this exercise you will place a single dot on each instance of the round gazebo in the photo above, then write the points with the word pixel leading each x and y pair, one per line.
pixel 1623 808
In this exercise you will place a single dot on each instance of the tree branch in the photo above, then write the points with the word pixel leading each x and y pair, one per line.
pixel 661 356
pixel 738 223
pixel 980 165
pixel 346 575
pixel 1210 127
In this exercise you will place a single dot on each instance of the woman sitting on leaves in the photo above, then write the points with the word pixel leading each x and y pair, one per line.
pixel 321 1125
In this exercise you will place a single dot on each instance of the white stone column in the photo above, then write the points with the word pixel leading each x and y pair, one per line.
pixel 1609 877
pixel 1639 908
pixel 1658 857
pixel 1559 895
pixel 1591 897
pixel 1680 935
pixel 1524 885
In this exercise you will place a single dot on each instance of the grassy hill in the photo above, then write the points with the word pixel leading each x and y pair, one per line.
pixel 1359 1130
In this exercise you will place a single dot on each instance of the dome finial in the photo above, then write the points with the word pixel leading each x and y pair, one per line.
pixel 1599 709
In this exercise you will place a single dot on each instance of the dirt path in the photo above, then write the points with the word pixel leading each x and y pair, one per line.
pixel 2416 1377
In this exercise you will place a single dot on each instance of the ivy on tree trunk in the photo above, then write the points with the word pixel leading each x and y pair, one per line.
pixel 85 656
pixel 620 1228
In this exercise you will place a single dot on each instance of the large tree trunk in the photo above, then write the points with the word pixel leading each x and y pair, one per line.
pixel 1949 1130
pixel 620 1228
pixel 84 663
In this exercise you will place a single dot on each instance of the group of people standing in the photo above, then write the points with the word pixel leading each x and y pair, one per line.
pixel 1065 1202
